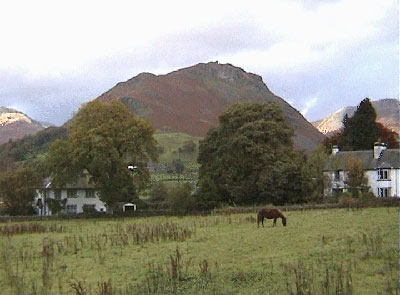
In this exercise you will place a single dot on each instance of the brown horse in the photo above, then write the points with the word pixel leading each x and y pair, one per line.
pixel 270 213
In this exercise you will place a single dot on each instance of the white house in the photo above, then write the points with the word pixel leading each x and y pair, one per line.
pixel 73 196
pixel 381 166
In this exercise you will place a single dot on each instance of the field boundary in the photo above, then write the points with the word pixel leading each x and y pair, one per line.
pixel 354 205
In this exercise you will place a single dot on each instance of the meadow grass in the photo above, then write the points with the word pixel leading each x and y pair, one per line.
pixel 172 142
pixel 335 251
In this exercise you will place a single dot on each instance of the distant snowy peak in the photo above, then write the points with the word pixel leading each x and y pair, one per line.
pixel 332 122
pixel 15 124
pixel 9 118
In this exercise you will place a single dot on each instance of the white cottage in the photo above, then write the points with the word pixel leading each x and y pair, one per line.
pixel 381 166
pixel 74 197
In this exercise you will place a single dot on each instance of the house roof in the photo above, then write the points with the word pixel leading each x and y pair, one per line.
pixel 389 159
pixel 81 183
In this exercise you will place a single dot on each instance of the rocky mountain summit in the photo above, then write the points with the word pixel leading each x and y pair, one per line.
pixel 387 111
pixel 190 100
pixel 15 125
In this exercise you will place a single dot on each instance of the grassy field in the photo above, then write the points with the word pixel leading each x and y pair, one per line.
pixel 171 142
pixel 335 251
pixel 172 145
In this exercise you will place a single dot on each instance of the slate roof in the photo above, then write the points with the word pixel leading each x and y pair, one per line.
pixel 82 183
pixel 389 158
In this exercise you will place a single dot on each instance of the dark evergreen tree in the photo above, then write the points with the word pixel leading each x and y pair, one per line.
pixel 360 132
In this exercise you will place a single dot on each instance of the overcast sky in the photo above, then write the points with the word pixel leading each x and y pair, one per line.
pixel 317 55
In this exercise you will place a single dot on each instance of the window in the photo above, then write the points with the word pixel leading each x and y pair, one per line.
pixel 57 194
pixel 72 208
pixel 336 175
pixel 90 193
pixel 383 174
pixel 72 193
pixel 383 192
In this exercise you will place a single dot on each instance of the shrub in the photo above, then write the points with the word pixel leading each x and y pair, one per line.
pixel 158 192
pixel 180 200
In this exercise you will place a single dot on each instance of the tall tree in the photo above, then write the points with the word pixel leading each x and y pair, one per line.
pixel 391 138
pixel 102 140
pixel 18 189
pixel 360 131
pixel 316 163
pixel 356 181
pixel 249 157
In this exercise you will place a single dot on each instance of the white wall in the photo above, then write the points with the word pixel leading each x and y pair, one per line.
pixel 392 182
pixel 79 201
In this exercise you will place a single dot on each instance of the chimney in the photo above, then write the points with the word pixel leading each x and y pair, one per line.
pixel 378 149
pixel 335 150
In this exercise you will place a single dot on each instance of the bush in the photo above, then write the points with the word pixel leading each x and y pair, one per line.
pixel 88 209
pixel 158 192
pixel 140 204
pixel 189 146
pixel 180 200
pixel 207 197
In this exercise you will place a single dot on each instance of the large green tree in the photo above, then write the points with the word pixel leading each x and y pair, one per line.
pixel 360 131
pixel 249 157
pixel 103 139
pixel 356 180
pixel 18 189
pixel 316 163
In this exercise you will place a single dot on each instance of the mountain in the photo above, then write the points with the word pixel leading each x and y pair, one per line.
pixel 15 125
pixel 190 100
pixel 387 111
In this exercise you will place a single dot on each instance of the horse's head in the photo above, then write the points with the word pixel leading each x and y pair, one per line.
pixel 284 221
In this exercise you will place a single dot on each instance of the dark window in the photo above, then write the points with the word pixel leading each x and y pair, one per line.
pixel 72 193
pixel 57 194
pixel 383 192
pixel 89 193
pixel 336 175
pixel 383 174
pixel 72 208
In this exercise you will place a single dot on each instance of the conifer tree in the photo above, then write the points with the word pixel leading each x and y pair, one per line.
pixel 360 131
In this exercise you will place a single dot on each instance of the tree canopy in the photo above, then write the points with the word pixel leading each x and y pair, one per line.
pixel 356 181
pixel 103 139
pixel 249 158
pixel 18 190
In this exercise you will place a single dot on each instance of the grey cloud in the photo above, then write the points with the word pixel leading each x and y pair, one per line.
pixel 369 68
pixel 362 72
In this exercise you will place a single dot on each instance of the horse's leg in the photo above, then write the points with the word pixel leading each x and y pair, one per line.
pixel 258 221
pixel 262 221
pixel 274 224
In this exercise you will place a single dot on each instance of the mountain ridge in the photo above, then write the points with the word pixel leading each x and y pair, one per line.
pixel 189 100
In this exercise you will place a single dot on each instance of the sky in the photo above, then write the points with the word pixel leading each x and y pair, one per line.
pixel 317 55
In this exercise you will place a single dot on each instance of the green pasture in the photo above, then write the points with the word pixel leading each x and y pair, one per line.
pixel 336 251
pixel 171 142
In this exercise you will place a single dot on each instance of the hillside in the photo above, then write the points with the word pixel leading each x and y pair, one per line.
pixel 387 111
pixel 191 99
pixel 15 125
